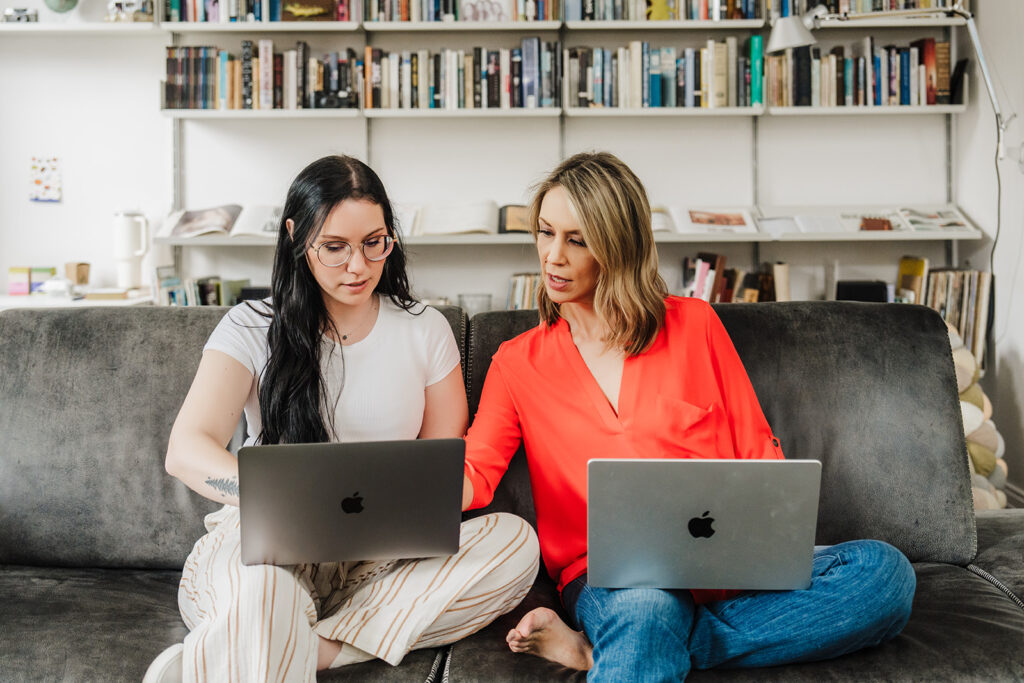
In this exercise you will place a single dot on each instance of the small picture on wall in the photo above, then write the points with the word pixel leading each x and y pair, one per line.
pixel 45 180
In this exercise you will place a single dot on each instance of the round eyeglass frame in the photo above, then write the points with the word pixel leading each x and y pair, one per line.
pixel 389 247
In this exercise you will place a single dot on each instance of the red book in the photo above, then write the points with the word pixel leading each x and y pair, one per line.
pixel 926 55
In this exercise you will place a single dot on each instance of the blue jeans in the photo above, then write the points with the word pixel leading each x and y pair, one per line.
pixel 860 595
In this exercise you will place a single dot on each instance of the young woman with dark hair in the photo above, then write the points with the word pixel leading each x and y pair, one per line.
pixel 339 352
pixel 617 368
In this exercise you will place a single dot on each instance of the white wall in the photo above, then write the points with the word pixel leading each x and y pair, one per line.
pixel 94 102
pixel 1000 23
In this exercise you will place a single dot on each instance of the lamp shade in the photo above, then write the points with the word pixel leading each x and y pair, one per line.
pixel 789 32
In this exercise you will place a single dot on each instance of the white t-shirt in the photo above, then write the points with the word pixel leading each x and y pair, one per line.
pixel 381 379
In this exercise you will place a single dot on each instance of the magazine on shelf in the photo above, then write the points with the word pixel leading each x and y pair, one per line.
pixel 712 220
pixel 944 219
pixel 228 219
pixel 882 220
pixel 457 218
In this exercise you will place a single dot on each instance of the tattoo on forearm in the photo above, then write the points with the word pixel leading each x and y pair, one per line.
pixel 227 487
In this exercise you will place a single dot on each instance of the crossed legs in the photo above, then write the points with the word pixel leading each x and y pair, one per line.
pixel 860 596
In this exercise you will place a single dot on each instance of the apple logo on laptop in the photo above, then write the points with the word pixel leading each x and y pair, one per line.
pixel 353 503
pixel 700 527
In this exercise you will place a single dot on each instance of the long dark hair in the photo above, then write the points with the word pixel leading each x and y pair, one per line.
pixel 292 390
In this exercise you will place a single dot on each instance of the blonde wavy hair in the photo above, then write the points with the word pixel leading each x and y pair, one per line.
pixel 610 204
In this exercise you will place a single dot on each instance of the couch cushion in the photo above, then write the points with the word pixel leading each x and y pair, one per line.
pixel 109 624
pixel 868 389
pixel 87 399
pixel 486 333
pixel 961 628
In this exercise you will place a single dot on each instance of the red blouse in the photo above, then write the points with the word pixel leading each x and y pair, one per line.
pixel 687 396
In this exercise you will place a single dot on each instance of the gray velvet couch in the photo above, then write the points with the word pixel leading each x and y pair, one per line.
pixel 93 532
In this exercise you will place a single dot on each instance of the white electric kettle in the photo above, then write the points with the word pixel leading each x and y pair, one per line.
pixel 131 242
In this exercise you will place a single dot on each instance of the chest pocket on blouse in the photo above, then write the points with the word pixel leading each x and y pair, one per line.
pixel 688 430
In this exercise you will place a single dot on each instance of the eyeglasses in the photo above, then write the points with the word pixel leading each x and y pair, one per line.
pixel 334 254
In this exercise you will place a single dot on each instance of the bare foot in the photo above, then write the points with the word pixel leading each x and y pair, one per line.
pixel 541 632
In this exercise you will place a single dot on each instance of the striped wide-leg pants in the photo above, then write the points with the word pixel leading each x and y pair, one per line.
pixel 262 622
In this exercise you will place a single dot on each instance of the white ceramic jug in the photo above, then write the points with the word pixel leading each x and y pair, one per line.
pixel 131 241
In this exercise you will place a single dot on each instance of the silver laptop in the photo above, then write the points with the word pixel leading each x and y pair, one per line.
pixel 736 524
pixel 351 501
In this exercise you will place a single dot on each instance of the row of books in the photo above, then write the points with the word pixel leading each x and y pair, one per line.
pixel 661 10
pixel 227 11
pixel 639 75
pixel 522 291
pixel 172 290
pixel 864 75
pixel 256 77
pixel 462 10
pixel 787 8
pixel 230 11
pixel 962 297
pixel 706 277
pixel 475 78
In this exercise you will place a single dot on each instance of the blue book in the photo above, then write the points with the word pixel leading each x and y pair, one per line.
pixel 223 103
pixel 609 78
pixel 201 99
pixel 849 96
pixel 756 69
pixel 654 78
pixel 904 76
pixel 573 10
pixel 668 77
pixel 597 77
pixel 877 68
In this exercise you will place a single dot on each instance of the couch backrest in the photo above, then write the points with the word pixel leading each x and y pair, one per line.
pixel 867 389
pixel 87 399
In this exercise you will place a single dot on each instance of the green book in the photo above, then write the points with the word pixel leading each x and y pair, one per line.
pixel 756 70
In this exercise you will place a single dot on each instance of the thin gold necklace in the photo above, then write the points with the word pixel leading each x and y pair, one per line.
pixel 373 309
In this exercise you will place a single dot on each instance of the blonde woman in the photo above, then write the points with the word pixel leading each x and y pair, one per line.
pixel 616 368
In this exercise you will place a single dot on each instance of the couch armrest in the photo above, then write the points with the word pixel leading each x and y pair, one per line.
pixel 1001 547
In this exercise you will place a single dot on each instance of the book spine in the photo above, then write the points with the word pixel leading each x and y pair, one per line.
pixel 505 78
pixel 478 68
pixel 688 78
pixel 904 70
pixel 531 57
pixel 247 74
pixel 301 63
pixel 654 77
pixel 266 53
pixel 516 68
pixel 942 72
pixel 288 81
